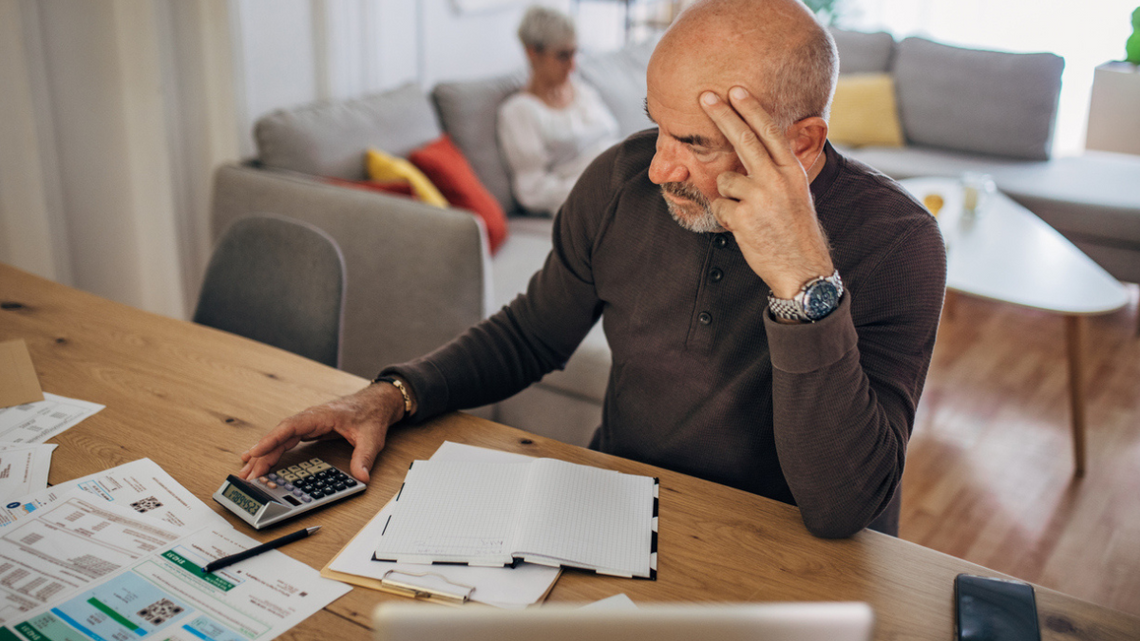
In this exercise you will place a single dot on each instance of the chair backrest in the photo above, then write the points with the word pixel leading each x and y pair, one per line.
pixel 278 281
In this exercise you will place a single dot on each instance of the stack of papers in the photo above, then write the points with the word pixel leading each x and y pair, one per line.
pixel 543 511
pixel 119 555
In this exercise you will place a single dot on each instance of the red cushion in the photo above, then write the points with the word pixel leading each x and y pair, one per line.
pixel 396 187
pixel 443 164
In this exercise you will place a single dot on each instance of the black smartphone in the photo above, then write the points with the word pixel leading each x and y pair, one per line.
pixel 991 609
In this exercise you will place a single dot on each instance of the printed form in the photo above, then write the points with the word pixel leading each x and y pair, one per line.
pixel 37 422
pixel 82 569
pixel 142 485
pixel 23 469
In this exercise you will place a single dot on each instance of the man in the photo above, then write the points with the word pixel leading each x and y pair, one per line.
pixel 771 306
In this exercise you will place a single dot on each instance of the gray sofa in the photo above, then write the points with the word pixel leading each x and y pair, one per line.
pixel 419 275
pixel 969 110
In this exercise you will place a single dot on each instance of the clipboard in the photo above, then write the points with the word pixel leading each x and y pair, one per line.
pixel 428 582
pixel 428 585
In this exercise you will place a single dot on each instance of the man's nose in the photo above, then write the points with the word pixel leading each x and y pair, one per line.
pixel 664 168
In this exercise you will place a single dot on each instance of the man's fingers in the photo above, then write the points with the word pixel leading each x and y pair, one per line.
pixel 369 442
pixel 751 151
pixel 724 210
pixel 295 428
pixel 733 185
pixel 762 123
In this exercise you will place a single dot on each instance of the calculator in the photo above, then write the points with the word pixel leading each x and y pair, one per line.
pixel 286 493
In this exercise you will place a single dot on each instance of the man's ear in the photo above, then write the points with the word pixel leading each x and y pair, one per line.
pixel 807 137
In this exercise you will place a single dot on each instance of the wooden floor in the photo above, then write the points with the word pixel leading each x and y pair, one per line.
pixel 989 469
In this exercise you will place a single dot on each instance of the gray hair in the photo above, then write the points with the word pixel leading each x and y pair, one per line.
pixel 542 28
pixel 802 83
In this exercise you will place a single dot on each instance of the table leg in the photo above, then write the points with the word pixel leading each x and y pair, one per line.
pixel 1074 329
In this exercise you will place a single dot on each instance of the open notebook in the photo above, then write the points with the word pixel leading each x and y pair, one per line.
pixel 544 511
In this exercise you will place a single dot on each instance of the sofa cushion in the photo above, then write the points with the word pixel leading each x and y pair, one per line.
pixel 1093 195
pixel 384 168
pixel 917 160
pixel 619 77
pixel 468 112
pixel 448 170
pixel 330 138
pixel 985 102
pixel 861 52
pixel 864 111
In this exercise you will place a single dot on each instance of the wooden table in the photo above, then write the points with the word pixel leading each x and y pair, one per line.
pixel 192 398
pixel 1004 252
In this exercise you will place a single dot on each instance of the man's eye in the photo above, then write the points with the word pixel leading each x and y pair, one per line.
pixel 704 154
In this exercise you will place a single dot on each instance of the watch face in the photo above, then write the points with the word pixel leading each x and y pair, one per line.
pixel 820 300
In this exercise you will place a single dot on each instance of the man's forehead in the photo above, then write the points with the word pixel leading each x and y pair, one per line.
pixel 679 115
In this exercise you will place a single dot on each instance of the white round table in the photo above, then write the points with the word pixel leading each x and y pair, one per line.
pixel 1006 253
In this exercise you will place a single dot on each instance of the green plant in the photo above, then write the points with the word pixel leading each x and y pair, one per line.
pixel 826 10
pixel 1132 46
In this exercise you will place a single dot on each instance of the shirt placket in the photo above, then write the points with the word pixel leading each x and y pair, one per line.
pixel 704 321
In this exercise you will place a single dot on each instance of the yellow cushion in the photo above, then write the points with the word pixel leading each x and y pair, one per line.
pixel 864 111
pixel 384 167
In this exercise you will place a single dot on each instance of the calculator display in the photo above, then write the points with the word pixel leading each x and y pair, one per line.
pixel 241 499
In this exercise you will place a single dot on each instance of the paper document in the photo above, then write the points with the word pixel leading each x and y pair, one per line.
pixel 37 422
pixel 83 568
pixel 545 511
pixel 517 587
pixel 140 485
pixel 23 469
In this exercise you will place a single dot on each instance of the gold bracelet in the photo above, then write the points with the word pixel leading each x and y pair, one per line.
pixel 399 385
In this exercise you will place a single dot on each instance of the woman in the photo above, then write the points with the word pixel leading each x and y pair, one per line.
pixel 556 125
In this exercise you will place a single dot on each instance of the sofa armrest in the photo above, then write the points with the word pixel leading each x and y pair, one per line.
pixel 416 275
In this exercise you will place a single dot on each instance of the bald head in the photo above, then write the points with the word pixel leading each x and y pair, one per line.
pixel 774 48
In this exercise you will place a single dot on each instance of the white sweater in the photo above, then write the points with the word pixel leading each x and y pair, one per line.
pixel 548 149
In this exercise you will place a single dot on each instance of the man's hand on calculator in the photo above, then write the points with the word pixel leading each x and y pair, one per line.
pixel 362 419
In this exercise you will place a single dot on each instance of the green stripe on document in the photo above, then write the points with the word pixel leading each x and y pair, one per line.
pixel 120 619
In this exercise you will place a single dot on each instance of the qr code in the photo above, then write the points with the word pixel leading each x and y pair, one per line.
pixel 160 611
pixel 146 505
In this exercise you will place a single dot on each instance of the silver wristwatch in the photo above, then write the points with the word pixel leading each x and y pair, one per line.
pixel 817 298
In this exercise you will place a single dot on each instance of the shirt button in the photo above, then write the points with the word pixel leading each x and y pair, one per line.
pixel 720 241
pixel 705 318
pixel 715 275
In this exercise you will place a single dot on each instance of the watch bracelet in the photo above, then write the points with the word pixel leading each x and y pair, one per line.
pixel 792 309
pixel 401 387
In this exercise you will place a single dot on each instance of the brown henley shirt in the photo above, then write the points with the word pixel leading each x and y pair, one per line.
pixel 703 380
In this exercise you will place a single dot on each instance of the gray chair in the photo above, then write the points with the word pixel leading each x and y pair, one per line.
pixel 278 281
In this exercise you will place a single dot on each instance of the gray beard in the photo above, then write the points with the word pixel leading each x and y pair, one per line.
pixel 703 221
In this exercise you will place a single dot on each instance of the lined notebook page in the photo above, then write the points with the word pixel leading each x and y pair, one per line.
pixel 453 511
pixel 587 517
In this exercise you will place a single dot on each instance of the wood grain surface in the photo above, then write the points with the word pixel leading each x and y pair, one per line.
pixel 192 398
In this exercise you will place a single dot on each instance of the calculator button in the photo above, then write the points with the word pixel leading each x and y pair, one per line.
pixel 271 485
pixel 317 494
pixel 350 482
pixel 288 486
pixel 298 493
pixel 306 499
pixel 262 480
pixel 340 487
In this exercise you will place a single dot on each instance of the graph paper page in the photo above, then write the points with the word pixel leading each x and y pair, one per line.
pixel 587 517
pixel 451 511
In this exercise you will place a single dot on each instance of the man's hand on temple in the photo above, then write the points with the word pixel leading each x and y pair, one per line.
pixel 362 419
pixel 769 210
